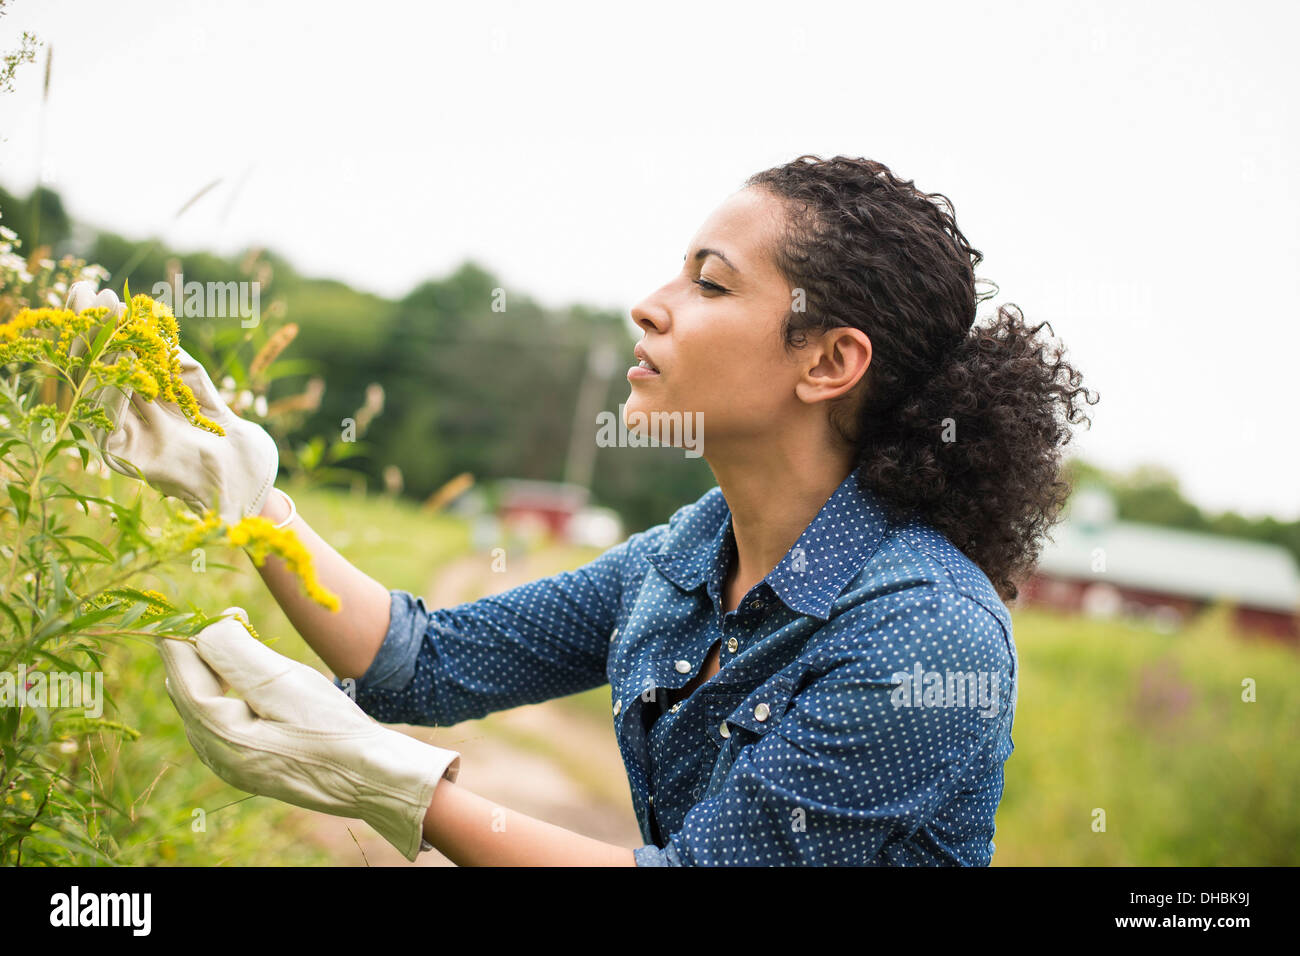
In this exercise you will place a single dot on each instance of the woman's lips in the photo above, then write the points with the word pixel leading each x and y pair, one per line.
pixel 640 372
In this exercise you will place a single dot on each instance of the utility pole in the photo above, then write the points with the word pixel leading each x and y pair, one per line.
pixel 581 462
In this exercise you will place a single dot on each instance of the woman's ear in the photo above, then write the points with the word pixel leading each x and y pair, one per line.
pixel 834 364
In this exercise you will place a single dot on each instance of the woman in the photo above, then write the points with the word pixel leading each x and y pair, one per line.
pixel 810 664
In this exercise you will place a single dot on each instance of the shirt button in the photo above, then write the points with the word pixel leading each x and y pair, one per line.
pixel 732 644
pixel 724 729
pixel 761 712
pixel 675 707
pixel 613 637
pixel 618 705
pixel 755 605
pixel 683 667
pixel 652 798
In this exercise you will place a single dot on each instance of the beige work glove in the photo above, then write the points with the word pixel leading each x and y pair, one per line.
pixel 153 441
pixel 296 737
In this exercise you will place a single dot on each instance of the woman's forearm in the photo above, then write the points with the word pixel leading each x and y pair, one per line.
pixel 468 829
pixel 473 831
pixel 348 639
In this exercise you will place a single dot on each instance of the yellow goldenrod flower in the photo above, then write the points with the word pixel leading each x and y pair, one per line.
pixel 145 340
pixel 260 537
pixel 199 532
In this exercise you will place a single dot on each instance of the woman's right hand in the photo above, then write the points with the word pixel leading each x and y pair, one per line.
pixel 154 441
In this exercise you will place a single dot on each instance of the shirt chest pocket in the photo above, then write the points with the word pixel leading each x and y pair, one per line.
pixel 734 720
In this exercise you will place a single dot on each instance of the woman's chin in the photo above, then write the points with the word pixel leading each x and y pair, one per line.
pixel 637 405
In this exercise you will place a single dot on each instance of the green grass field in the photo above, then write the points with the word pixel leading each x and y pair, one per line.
pixel 1151 729
pixel 1148 728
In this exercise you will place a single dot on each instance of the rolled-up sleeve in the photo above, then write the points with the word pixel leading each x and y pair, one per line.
pixel 857 763
pixel 651 855
pixel 394 664
pixel 541 640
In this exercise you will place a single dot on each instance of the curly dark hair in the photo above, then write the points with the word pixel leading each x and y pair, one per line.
pixel 961 425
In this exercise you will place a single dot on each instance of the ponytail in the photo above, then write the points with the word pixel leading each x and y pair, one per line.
pixel 957 423
pixel 975 452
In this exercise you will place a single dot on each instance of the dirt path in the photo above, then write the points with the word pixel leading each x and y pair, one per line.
pixel 551 761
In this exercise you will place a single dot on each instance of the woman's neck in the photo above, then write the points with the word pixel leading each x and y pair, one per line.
pixel 773 498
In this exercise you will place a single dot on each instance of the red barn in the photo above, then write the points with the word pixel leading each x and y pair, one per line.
pixel 1098 565
pixel 546 504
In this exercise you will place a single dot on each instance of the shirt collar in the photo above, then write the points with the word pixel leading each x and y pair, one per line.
pixel 814 572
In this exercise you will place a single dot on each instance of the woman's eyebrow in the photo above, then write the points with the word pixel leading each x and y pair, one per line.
pixel 701 254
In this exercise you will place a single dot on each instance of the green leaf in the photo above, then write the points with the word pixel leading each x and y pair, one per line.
pixel 137 595
pixel 60 580
pixel 343 450
pixel 89 725
pixel 58 447
pixel 93 545
pixel 105 333
pixel 56 626
pixel 83 443
pixel 66 665
pixel 78 847
pixel 134 614
pixel 9 612
pixel 22 501
pixel 310 454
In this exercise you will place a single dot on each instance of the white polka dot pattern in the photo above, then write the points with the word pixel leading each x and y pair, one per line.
pixel 861 713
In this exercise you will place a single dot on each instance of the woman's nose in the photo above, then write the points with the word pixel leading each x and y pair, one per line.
pixel 649 315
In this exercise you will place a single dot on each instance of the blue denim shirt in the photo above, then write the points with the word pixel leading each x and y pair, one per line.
pixel 861 713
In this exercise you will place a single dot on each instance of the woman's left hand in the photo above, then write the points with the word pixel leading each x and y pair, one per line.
pixel 153 440
pixel 291 734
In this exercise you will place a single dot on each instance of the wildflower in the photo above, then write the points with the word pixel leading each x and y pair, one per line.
pixel 145 342
pixel 260 537
pixel 157 603
pixel 200 531
pixel 149 330
pixel 269 352
pixel 373 406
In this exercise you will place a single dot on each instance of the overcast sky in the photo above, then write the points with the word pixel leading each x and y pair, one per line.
pixel 1127 169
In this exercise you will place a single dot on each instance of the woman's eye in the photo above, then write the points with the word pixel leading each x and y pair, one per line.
pixel 706 284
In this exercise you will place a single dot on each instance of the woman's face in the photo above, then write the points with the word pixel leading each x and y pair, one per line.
pixel 719 350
